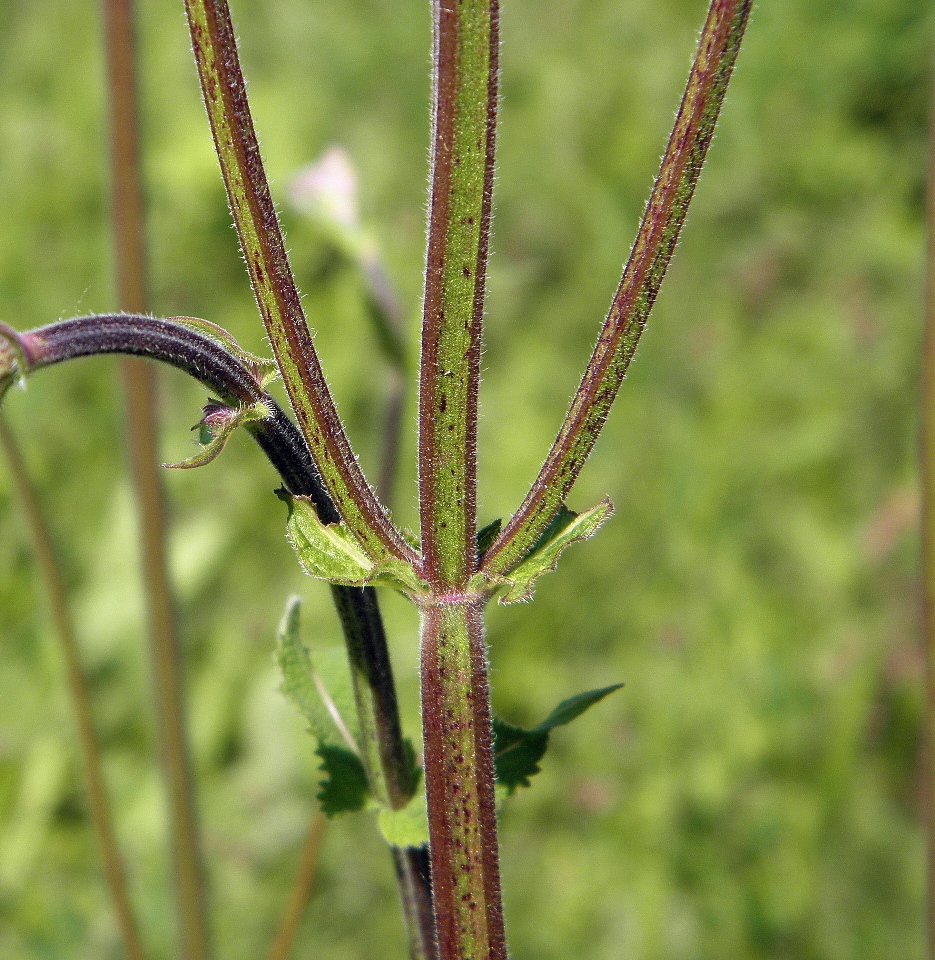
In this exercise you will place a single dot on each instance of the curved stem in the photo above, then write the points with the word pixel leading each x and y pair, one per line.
pixel 205 359
pixel 655 242
pixel 459 780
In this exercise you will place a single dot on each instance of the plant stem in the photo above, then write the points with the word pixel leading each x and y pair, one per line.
pixel 413 875
pixel 655 242
pixel 114 868
pixel 464 133
pixel 140 395
pixel 264 250
pixel 301 890
pixel 140 398
pixel 459 778
pixel 385 753
pixel 927 482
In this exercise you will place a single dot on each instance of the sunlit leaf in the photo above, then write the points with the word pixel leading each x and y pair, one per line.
pixel 517 752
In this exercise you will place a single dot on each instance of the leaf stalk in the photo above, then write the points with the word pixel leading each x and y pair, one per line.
pixel 655 243
pixel 277 296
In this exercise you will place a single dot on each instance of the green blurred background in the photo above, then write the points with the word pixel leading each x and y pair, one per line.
pixel 754 791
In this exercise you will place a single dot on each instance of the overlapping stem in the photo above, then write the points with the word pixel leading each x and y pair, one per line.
pixel 927 481
pixel 384 755
pixel 655 242
pixel 464 130
pixel 264 250
pixel 140 401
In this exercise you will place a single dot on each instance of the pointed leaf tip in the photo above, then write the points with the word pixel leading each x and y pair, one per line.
pixel 216 427
pixel 567 527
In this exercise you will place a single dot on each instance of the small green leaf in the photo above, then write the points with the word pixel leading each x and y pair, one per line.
pixel 216 427
pixel 344 787
pixel 566 528
pixel 517 752
pixel 325 699
pixel 408 827
pixel 573 707
pixel 329 551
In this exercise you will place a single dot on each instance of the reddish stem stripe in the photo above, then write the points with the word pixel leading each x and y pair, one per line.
pixel 636 294
pixel 264 250
pixel 459 775
pixel 464 132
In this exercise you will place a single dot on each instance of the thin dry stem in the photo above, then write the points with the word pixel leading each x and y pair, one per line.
pixel 114 868
pixel 140 399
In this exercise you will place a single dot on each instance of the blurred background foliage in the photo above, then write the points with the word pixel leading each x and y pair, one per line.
pixel 754 791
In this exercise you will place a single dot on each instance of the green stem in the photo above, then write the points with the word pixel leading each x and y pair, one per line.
pixel 301 890
pixel 927 481
pixel 383 750
pixel 140 394
pixel 464 127
pixel 114 868
pixel 413 876
pixel 264 250
pixel 459 776
pixel 655 242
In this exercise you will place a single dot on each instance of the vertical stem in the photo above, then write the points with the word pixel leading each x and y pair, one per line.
pixel 927 479
pixel 464 127
pixel 413 875
pixel 80 695
pixel 383 749
pixel 301 890
pixel 140 396
pixel 459 777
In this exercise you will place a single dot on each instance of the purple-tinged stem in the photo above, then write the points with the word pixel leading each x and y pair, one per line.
pixel 459 780
pixel 655 242
pixel 264 250
pixel 140 399
pixel 239 383
pixel 464 130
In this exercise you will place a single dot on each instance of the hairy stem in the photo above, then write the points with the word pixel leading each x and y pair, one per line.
pixel 264 250
pixel 140 400
pixel 114 868
pixel 459 778
pixel 464 128
pixel 655 242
